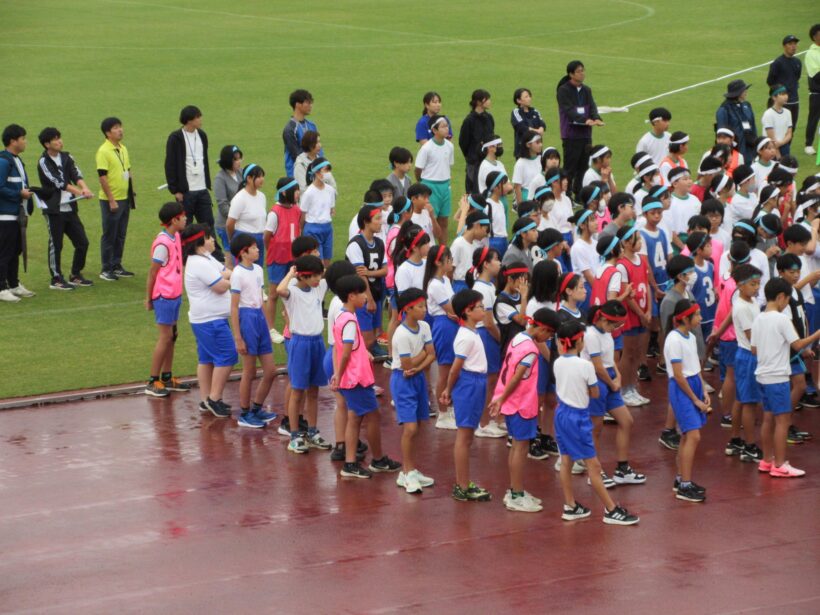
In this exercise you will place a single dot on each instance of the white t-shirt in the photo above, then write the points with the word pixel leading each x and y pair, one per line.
pixel 654 145
pixel 741 208
pixel 409 343
pixel 272 225
pixel 615 281
pixel 525 170
pixel 462 251
pixel 160 254
pixel 304 308
pixel 772 335
pixel 779 121
pixel 680 211
pixel 468 346
pixel 584 257
pixel 194 161
pixel 499 221
pixel 561 213
pixel 592 175
pixel 485 168
pixel 762 172
pixel 334 308
pixel 597 343
pixel 202 273
pixel 505 311
pixel 759 260
pixel 248 283
pixel 682 349
pixel 409 275
pixel 744 315
pixel 535 183
pixel 533 306
pixel 353 252
pixel 573 377
pixel 317 203
pixel 439 294
pixel 424 220
pixel 487 291
pixel 435 160
pixel 248 211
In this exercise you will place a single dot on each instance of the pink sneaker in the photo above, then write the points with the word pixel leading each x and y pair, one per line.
pixel 764 466
pixel 786 471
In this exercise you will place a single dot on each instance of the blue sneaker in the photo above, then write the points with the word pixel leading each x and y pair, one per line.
pixel 262 415
pixel 249 419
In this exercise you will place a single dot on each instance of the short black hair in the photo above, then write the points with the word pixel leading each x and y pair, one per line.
pixel 547 317
pixel 288 197
pixel 226 156
pixel 712 206
pixel 475 217
pixel 241 242
pixel 349 284
pixel 48 134
pixel 525 208
pixel 399 155
pixel 309 140
pixel 618 200
pixel 308 264
pixel 12 132
pixel 677 265
pixel 303 245
pixel 613 307
pixel 696 241
pixel 408 296
pixel 381 185
pixel 519 93
pixel 549 237
pixel 789 261
pixel 299 96
pixel 336 271
pixel 699 221
pixel 463 299
pixel 569 328
pixel 311 170
pixel 189 113
pixel 573 66
pixel 372 197
pixel 680 307
pixel 743 273
pixel 770 223
pixel 739 251
pixel 366 214
pixel 418 189
pixel 108 124
pixel 189 246
pixel 796 233
pixel 775 287
pixel 478 96
pixel 604 243
pixel 169 211
pixel 814 30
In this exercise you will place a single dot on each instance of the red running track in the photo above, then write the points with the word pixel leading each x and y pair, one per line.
pixel 142 505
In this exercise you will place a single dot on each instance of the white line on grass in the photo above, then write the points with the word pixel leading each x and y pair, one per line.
pixel 81 308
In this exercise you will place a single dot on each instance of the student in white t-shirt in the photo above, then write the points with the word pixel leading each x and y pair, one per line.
pixel 463 247
pixel 583 254
pixel 527 168
pixel 773 340
pixel 777 121
pixel 656 141
pixel 248 210
pixel 207 282
pixel 433 168
pixel 683 205
pixel 318 203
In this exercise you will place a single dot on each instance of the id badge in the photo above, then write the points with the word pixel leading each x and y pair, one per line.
pixel 126 175
pixel 196 171
pixel 580 110
pixel 746 125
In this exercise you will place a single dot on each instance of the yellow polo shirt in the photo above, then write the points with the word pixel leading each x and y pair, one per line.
pixel 115 162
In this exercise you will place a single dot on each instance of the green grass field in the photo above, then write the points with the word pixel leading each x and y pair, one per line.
pixel 367 63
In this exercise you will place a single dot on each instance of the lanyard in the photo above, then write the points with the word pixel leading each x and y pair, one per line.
pixel 191 145
pixel 117 153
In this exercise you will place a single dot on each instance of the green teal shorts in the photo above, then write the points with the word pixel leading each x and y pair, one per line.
pixel 440 199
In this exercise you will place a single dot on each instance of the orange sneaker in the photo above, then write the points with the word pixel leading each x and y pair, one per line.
pixel 764 466
pixel 786 471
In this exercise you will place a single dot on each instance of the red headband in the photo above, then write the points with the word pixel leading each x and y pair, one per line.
pixel 413 243
pixel 687 312
pixel 307 272
pixel 439 253
pixel 538 323
pixel 193 238
pixel 373 212
pixel 569 341
pixel 515 270
pixel 412 303
pixel 611 317
pixel 568 277
pixel 469 307
pixel 484 251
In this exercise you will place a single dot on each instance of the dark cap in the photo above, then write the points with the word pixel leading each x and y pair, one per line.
pixel 736 88
pixel 791 38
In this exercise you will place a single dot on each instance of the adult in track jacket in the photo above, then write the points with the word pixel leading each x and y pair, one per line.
pixel 786 70
pixel 476 129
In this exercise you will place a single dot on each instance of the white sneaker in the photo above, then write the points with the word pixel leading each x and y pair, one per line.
pixel 446 420
pixel 276 337
pixel 501 426
pixel 521 504
pixel 424 481
pixel 630 399
pixel 411 483
pixel 810 150
pixel 609 483
pixel 579 467
pixel 708 387
pixel 527 494
pixel 8 296
pixel 401 479
pixel 489 431
pixel 644 400
pixel 21 291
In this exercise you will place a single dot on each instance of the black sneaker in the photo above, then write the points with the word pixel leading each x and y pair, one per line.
pixel 203 408
pixel 804 435
pixel 652 352
pixel 734 447
pixel 60 284
pixel 217 408
pixel 676 486
pixel 361 448
pixel 108 276
pixel 619 516
pixel 643 374
pixel 810 400
pixel 661 368
pixel 79 280
pixel 579 511
pixel 536 452
pixel 173 384
pixel 726 421
pixel 670 439
pixel 707 366
pixel 547 443
pixel 385 464
pixel 284 427
pixel 338 453
pixel 303 424
pixel 690 494
pixel 608 418
pixel 751 453
pixel 354 470
pixel 794 436
pixel 120 272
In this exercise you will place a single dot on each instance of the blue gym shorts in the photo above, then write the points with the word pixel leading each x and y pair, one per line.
pixel 214 343
pixel 521 429
pixel 726 356
pixel 747 391
pixel 254 331
pixel 410 397
pixel 305 357
pixel 687 415
pixel 776 398
pixel 492 349
pixel 277 272
pixel 607 399
pixel 323 233
pixel 469 396
pixel 444 331
pixel 573 432
pixel 370 321
pixel 360 400
pixel 166 311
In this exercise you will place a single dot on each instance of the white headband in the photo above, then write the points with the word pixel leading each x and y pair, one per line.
pixel 491 143
pixel 652 120
pixel 721 184
pixel 744 180
pixel 684 139
pixel 788 169
pixel 648 169
pixel 678 175
pixel 641 160
pixel 535 137
pixel 438 121
pixel 775 193
pixel 600 153
pixel 763 143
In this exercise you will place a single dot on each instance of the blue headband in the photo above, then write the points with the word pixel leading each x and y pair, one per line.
pixel 248 169
pixel 234 149
pixel 742 260
pixel 550 247
pixel 474 204
pixel 292 183
pixel 321 165
pixel 498 180
pixel 482 221
pixel 609 248
pixel 376 204
pixel 780 90
pixel 658 191
pixel 651 205
pixel 524 229
pixel 754 276
pixel 745 226
pixel 587 213
pixel 594 195
pixel 766 228
pixel 629 233
pixel 554 178
pixel 541 192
